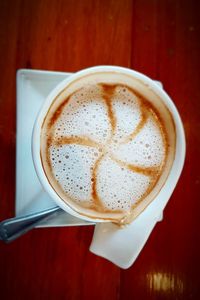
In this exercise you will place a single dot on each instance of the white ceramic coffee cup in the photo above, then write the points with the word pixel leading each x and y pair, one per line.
pixel 176 169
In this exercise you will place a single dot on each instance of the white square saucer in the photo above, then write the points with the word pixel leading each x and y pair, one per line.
pixel 33 86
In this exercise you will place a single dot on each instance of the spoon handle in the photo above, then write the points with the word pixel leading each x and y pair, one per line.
pixel 13 228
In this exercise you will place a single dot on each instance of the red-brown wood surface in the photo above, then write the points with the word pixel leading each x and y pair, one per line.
pixel 160 39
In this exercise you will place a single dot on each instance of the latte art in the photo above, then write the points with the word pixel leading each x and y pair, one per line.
pixel 104 148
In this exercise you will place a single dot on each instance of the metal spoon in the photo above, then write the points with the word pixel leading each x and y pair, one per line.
pixel 13 228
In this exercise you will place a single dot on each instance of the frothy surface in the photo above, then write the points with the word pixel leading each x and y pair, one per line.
pixel 104 149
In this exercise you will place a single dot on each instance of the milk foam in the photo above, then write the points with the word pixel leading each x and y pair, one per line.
pixel 119 187
pixel 127 110
pixel 71 165
pixel 84 115
pixel 105 149
pixel 147 149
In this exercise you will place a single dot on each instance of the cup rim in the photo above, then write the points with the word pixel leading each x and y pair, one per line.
pixel 179 159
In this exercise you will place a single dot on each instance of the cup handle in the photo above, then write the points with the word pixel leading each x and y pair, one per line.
pixel 122 246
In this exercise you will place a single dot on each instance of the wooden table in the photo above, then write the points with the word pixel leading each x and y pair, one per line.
pixel 160 39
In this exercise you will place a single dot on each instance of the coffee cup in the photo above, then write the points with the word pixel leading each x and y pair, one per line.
pixel 160 196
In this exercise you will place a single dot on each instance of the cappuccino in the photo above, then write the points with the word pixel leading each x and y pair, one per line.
pixel 107 146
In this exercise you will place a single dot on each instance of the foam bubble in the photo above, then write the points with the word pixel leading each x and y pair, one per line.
pixel 147 149
pixel 119 188
pixel 71 165
pixel 127 110
pixel 85 115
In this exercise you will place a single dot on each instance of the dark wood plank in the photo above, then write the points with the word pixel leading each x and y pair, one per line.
pixel 158 38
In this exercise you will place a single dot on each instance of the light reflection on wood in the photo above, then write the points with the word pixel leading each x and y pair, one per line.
pixel 165 282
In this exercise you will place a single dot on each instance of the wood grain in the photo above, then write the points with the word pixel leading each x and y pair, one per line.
pixel 158 38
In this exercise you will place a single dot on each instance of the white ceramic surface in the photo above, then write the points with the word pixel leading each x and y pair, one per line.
pixel 122 246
